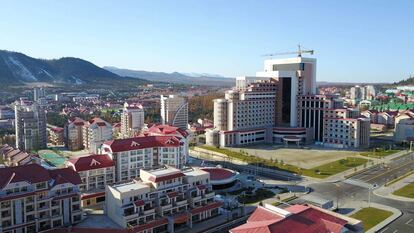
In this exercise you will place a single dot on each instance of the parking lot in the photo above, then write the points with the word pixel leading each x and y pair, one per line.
pixel 301 157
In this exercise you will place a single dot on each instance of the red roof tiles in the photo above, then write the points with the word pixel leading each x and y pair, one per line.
pixel 218 173
pixel 166 130
pixel 91 162
pixel 303 219
pixel 34 173
pixel 206 207
pixel 137 143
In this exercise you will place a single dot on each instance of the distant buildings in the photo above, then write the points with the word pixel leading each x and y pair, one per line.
pixel 298 219
pixel 74 134
pixel 95 133
pixel 174 111
pixel 279 105
pixel 34 199
pixel 6 113
pixel 358 93
pixel 343 130
pixel 404 127
pixel 38 94
pixel 162 200
pixel 14 157
pixel 56 135
pixel 30 123
pixel 132 120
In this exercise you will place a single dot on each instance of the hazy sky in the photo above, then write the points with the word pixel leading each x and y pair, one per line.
pixel 361 40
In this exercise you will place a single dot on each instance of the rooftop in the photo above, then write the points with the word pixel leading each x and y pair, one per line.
pixel 130 186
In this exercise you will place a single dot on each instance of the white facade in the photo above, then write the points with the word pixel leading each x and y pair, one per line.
pixel 249 112
pixel 133 154
pixel 30 123
pixel 166 195
pixel 95 133
pixel 340 131
pixel 132 120
pixel 174 111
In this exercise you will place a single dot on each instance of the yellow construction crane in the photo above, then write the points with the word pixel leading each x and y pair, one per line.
pixel 299 52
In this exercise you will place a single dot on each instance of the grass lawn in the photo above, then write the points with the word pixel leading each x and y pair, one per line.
pixel 334 167
pixel 259 195
pixel 371 216
pixel 379 153
pixel 406 191
pixel 278 203
pixel 322 171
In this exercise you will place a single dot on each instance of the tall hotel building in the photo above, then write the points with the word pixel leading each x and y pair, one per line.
pixel 264 108
pixel 174 111
pixel 30 123
pixel 279 105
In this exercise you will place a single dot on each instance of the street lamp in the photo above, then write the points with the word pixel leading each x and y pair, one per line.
pixel 337 195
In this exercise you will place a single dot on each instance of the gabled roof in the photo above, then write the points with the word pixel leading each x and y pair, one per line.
pixel 166 130
pixel 34 173
pixel 90 162
pixel 77 121
pixel 300 219
pixel 65 175
pixel 57 129
pixel 142 142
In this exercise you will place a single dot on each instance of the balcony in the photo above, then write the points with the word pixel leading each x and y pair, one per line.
pixel 180 203
pixel 150 211
pixel 42 207
pixel 165 207
pixel 43 215
pixel 208 195
pixel 5 214
pixel 197 198
pixel 29 208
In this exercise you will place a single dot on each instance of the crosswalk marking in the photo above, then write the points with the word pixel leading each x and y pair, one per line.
pixel 358 183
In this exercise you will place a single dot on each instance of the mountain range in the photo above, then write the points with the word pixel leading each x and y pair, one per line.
pixel 19 69
pixel 174 77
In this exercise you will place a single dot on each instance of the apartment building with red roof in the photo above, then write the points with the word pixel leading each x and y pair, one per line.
pixel 73 134
pixel 132 154
pixel 95 132
pixel 34 199
pixel 96 171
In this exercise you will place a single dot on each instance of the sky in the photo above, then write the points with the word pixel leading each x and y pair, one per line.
pixel 354 40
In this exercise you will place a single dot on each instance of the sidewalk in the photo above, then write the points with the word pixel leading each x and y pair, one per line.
pixel 387 191
pixel 395 214
pixel 358 205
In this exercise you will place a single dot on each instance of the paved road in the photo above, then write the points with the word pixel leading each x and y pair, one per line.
pixel 344 193
pixel 383 173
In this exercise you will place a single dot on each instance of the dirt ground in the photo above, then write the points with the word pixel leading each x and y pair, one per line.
pixel 304 158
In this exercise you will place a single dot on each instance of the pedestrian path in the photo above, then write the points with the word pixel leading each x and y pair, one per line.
pixel 387 191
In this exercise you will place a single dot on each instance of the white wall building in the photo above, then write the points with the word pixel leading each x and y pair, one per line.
pixel 164 198
pixel 95 133
pixel 144 152
pixel 30 123
pixel 174 111
pixel 132 120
